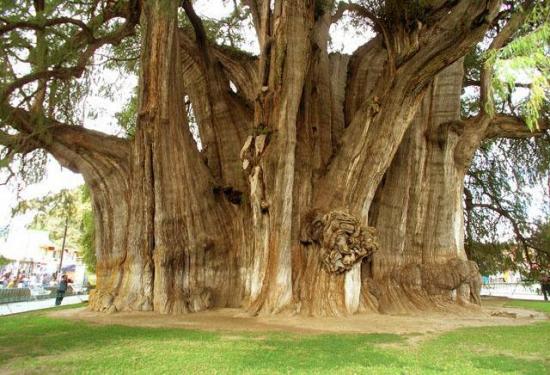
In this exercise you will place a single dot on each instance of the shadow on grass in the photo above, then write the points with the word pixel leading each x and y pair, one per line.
pixel 31 341
pixel 541 306
pixel 504 364
pixel 32 335
pixel 320 353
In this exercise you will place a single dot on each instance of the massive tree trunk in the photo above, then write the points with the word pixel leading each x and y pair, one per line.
pixel 418 208
pixel 178 251
pixel 418 212
pixel 299 164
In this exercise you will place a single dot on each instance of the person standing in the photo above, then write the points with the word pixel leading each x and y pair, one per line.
pixel 61 289
pixel 545 285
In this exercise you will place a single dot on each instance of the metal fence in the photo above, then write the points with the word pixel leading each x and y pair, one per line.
pixel 13 295
pixel 512 290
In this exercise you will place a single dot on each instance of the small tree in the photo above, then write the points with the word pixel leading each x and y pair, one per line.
pixel 71 208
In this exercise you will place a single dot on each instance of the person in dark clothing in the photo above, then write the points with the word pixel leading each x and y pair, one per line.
pixel 61 289
pixel 545 286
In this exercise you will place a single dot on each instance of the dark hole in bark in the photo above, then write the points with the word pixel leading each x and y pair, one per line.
pixel 481 19
pixel 232 195
pixel 383 182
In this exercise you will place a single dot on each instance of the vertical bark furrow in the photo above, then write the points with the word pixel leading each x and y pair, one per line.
pixel 178 255
pixel 365 70
pixel 224 119
pixel 289 52
pixel 107 175
pixel 338 84
pixel 418 210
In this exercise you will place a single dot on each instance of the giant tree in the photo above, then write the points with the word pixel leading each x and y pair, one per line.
pixel 302 151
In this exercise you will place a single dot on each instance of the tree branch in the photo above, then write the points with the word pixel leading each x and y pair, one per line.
pixel 90 44
pixel 477 128
pixel 468 82
pixel 360 10
pixel 196 22
pixel 378 24
pixel 238 67
pixel 461 24
pixel 257 9
pixel 223 117
pixel 525 242
pixel 30 25
pixel 241 69
pixel 507 126
pixel 73 137
pixel 18 143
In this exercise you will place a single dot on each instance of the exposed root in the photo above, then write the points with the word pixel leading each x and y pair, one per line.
pixel 420 287
pixel 101 301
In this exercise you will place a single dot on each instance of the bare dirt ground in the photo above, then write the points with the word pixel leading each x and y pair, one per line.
pixel 491 314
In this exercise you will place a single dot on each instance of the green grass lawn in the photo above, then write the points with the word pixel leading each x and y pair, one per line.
pixel 533 305
pixel 36 343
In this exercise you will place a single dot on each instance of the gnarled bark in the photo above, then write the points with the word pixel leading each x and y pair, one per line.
pixel 276 212
pixel 178 258
pixel 418 212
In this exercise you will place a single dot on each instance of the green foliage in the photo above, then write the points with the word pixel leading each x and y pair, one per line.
pixel 492 257
pixel 87 233
pixel 521 70
pixel 501 181
pixel 54 210
pixel 124 56
pixel 504 173
pixel 526 59
pixel 127 117
pixel 27 50
pixel 37 45
pixel 27 168
pixel 231 30
pixel 4 261
pixel 407 13
pixel 32 342
pixel 540 250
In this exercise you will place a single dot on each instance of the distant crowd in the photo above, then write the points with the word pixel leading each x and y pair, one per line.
pixel 21 279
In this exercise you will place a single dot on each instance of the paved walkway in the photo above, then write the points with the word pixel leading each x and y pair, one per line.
pixel 513 291
pixel 19 307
